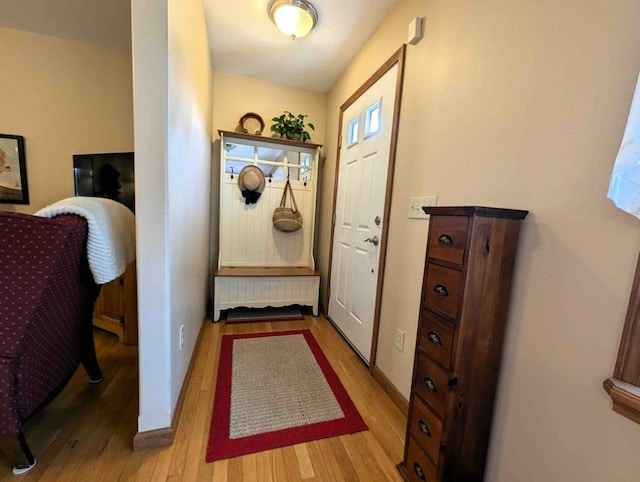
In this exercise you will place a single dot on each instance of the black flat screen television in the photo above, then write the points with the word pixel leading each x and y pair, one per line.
pixel 109 175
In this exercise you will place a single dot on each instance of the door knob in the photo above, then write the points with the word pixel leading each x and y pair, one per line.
pixel 375 241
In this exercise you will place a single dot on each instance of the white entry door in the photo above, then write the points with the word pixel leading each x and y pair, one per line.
pixel 367 126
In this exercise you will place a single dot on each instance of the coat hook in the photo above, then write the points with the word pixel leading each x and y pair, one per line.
pixel 270 178
pixel 232 173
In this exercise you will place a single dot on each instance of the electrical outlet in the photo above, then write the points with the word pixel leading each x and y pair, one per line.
pixel 181 336
pixel 416 204
pixel 399 339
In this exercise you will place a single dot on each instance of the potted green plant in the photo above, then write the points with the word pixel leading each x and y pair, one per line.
pixel 292 126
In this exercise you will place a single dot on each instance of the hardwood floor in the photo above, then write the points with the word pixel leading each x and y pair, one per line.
pixel 86 432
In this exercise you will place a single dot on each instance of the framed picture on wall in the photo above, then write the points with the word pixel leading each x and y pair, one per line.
pixel 13 170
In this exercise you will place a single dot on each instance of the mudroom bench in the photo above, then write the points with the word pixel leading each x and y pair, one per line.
pixel 260 287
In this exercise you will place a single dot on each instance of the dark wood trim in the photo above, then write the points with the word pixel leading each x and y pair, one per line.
pixel 164 437
pixel 274 140
pixel 624 386
pixel 397 58
pixel 628 361
pixel 154 439
pixel 625 397
pixel 333 214
pixel 397 398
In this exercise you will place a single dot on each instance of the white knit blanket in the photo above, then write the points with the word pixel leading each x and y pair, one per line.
pixel 111 243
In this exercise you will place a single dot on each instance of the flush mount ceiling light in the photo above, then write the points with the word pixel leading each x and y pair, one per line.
pixel 294 18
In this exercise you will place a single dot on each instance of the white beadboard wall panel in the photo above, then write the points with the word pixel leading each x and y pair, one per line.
pixel 247 235
pixel 266 290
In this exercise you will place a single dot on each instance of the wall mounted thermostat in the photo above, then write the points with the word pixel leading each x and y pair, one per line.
pixel 416 30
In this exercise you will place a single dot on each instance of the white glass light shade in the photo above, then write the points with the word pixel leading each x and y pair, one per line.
pixel 294 18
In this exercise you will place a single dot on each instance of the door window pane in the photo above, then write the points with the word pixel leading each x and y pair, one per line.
pixel 238 150
pixel 234 167
pixel 272 155
pixel 277 173
pixel 372 124
pixel 354 127
pixel 305 159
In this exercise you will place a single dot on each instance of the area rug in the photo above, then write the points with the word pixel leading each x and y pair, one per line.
pixel 247 315
pixel 273 390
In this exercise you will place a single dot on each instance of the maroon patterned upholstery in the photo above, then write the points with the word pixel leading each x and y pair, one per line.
pixel 46 298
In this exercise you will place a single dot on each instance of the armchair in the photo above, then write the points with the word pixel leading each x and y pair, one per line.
pixel 47 294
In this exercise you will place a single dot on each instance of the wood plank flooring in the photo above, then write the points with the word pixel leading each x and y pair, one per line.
pixel 86 432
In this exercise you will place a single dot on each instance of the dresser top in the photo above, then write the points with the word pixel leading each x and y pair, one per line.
pixel 476 211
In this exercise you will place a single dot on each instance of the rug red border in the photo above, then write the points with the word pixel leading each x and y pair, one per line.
pixel 221 447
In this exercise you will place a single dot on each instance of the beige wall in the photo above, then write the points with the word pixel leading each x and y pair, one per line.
pixel 65 98
pixel 235 95
pixel 519 104
pixel 173 102
pixel 150 83
pixel 188 179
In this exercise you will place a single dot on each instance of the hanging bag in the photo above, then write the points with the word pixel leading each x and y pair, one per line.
pixel 287 219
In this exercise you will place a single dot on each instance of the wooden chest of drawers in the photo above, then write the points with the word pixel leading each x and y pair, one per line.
pixel 465 296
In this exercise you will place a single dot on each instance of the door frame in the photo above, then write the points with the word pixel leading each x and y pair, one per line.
pixel 398 58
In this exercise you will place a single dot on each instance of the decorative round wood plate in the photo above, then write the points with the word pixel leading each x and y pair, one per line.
pixel 252 123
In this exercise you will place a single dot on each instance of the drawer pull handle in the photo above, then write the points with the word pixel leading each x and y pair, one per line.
pixel 418 470
pixel 424 428
pixel 430 384
pixel 445 239
pixel 441 290
pixel 434 338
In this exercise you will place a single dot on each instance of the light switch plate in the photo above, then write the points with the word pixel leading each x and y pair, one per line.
pixel 399 340
pixel 416 204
